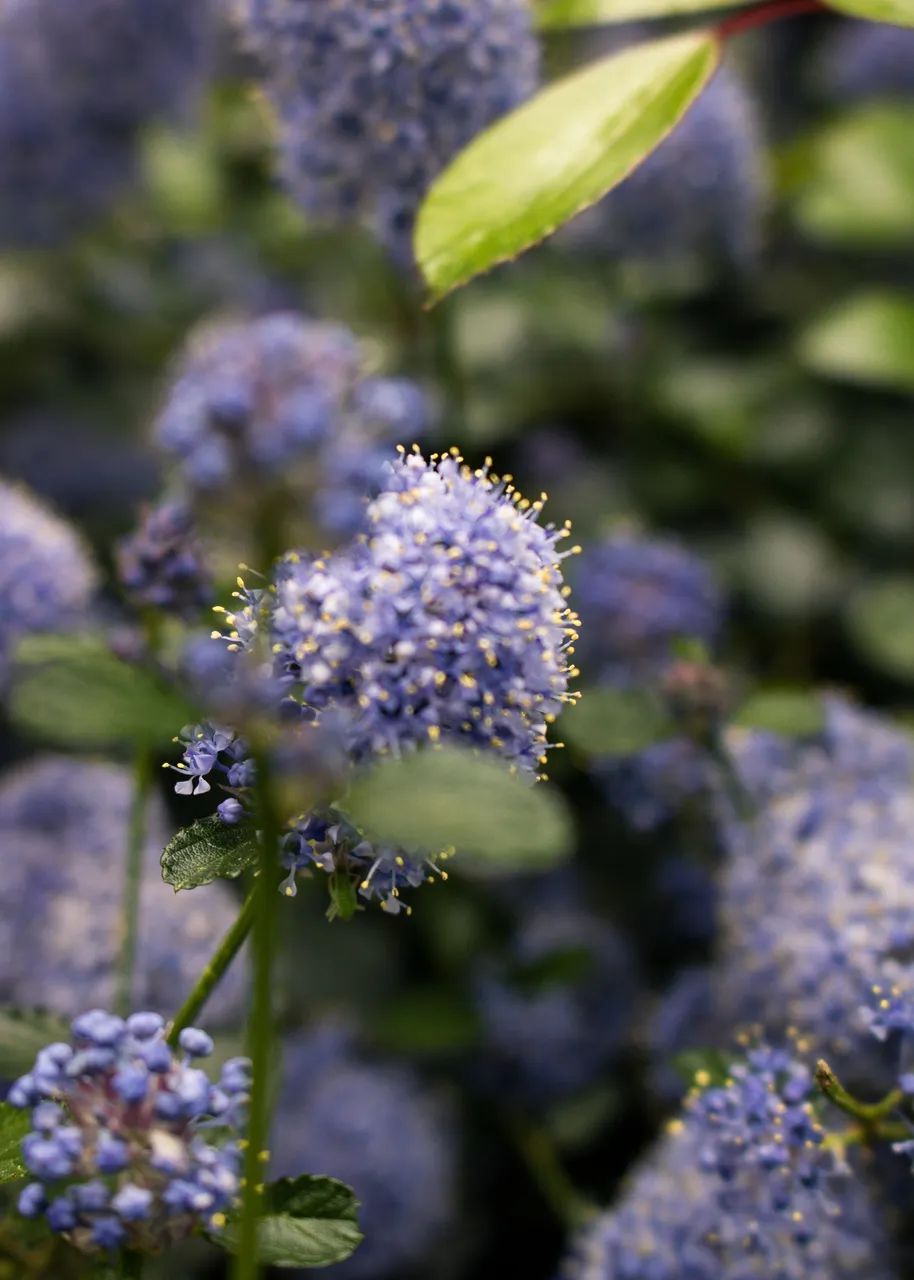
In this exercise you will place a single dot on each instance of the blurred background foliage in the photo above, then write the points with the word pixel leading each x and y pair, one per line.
pixel 759 410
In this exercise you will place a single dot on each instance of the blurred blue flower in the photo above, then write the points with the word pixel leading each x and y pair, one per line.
pixel 116 1150
pixel 285 401
pixel 47 578
pixel 63 835
pixel 638 595
pixel 374 101
pixel 378 1129
pixel 701 193
pixel 77 82
pixel 740 1187
pixel 161 564
pixel 860 61
pixel 817 899
pixel 558 1019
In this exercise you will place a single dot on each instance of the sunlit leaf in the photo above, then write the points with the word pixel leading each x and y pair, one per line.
pixel 898 13
pixel 556 14
pixel 869 339
pixel 14 1125
pixel 555 155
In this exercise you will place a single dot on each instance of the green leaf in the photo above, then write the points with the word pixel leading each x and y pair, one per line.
pixel 208 849
pixel 308 1222
pixel 22 1033
pixel 72 690
pixel 14 1125
pixel 869 339
pixel 703 1067
pixel 898 13
pixel 450 797
pixel 428 1022
pixel 555 155
pixel 796 713
pixel 857 186
pixel 880 621
pixel 556 14
pixel 618 722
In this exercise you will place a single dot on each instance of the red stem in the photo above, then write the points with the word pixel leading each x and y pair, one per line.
pixel 765 13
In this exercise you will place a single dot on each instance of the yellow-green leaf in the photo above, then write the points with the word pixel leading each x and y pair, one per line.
pixel 554 156
pixel 869 339
pixel 556 14
pixel 897 13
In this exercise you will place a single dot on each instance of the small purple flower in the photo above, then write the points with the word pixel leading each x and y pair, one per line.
pixel 134 1136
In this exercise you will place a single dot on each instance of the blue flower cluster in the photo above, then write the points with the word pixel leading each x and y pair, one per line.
pixel 161 565
pixel 546 1038
pixel 285 401
pixel 637 596
pixel 701 194
pixel 117 1151
pixel 817 900
pixel 379 1130
pixel 77 83
pixel 47 578
pixel 446 621
pixel 741 1186
pixel 867 60
pixel 373 101
pixel 64 827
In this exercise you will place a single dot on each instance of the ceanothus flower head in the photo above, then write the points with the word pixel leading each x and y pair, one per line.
pixel 817 900
pixel 64 826
pixel 374 100
pixel 47 578
pixel 701 193
pixel 285 401
pixel 547 1035
pixel 445 622
pixel 861 61
pixel 77 83
pixel 118 1153
pixel 741 1186
pixel 637 596
pixel 161 565
pixel 381 1131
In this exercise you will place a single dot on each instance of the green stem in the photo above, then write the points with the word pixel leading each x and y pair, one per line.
pixel 209 979
pixel 260 1028
pixel 133 877
pixel 132 1265
pixel 872 1116
pixel 539 1154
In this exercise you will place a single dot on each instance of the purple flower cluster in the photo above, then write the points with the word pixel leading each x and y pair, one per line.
pixel 741 1187
pixel 283 401
pixel 161 565
pixel 817 900
pixel 47 578
pixel 374 100
pixel 861 61
pixel 380 1130
pixel 64 826
pixel 547 1038
pixel 77 83
pixel 117 1152
pixel 446 621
